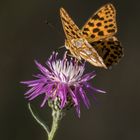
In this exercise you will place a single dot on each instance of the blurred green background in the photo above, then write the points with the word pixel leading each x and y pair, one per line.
pixel 25 36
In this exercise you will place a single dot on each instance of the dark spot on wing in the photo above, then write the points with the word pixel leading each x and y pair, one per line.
pixel 67 31
pixel 110 43
pixel 107 12
pixel 102 43
pixel 86 29
pixel 106 26
pixel 77 36
pixel 116 52
pixel 113 56
pixel 64 20
pixel 96 17
pixel 111 25
pixel 107 51
pixel 70 27
pixel 109 60
pixel 73 32
pixel 110 30
pixel 110 20
pixel 92 36
pixel 91 24
pixel 85 33
pixel 106 9
pixel 101 18
pixel 99 24
pixel 95 30
pixel 112 47
pixel 107 64
pixel 101 33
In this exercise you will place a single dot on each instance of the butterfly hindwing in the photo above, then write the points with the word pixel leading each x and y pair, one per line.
pixel 110 50
pixel 101 25
pixel 89 54
pixel 70 28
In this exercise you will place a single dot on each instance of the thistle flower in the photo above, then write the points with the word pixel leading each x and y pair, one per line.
pixel 63 80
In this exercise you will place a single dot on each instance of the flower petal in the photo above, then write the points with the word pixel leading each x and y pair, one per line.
pixel 88 76
pixel 94 89
pixel 61 79
pixel 73 97
pixel 42 68
pixel 84 97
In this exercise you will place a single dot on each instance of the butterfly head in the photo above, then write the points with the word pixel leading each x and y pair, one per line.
pixel 78 43
pixel 71 47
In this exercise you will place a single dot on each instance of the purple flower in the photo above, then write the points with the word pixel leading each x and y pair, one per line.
pixel 61 79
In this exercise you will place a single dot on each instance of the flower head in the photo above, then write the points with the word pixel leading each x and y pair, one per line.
pixel 63 80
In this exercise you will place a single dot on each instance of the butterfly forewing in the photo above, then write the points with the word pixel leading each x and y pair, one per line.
pixel 70 28
pixel 96 42
pixel 101 25
pixel 74 34
pixel 110 50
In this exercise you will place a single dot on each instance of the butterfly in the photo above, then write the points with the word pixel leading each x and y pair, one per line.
pixel 95 42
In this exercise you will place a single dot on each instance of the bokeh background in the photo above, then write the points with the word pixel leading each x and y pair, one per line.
pixel 25 36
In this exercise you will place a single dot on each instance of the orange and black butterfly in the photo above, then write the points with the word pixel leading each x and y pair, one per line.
pixel 96 41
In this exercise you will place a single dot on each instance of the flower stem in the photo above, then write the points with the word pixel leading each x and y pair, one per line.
pixel 45 127
pixel 57 116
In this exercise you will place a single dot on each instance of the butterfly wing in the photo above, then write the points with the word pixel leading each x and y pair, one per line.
pixel 101 25
pixel 110 50
pixel 70 28
pixel 89 53
pixel 85 51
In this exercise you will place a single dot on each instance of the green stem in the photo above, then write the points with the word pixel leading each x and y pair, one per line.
pixel 45 127
pixel 57 116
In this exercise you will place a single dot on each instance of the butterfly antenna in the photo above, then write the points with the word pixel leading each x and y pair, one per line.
pixel 62 47
pixel 58 32
pixel 70 55
pixel 54 28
